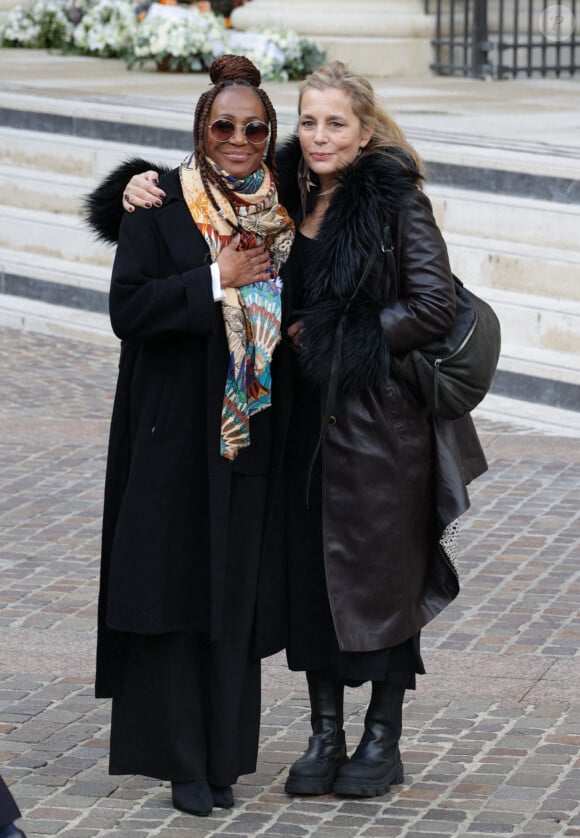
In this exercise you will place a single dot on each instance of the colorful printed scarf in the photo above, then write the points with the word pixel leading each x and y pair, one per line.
pixel 252 313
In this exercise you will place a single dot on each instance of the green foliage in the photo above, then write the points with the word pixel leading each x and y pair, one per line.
pixel 311 58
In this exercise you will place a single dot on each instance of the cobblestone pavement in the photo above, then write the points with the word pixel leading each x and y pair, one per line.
pixel 491 736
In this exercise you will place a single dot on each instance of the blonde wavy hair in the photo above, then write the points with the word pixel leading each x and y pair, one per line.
pixel 386 134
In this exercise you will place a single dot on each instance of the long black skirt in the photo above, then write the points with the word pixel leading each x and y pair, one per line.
pixel 312 643
pixel 190 709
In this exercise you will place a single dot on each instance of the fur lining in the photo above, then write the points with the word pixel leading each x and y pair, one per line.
pixel 370 195
pixel 103 208
pixel 288 157
pixel 364 357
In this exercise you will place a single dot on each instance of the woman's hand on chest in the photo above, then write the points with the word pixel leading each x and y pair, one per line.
pixel 243 267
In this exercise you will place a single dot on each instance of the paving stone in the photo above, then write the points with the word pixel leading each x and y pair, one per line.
pixel 491 736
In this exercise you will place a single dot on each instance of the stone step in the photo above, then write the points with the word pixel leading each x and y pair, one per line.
pixel 524 167
pixel 531 323
pixel 61 236
pixel 544 363
pixel 375 37
pixel 506 218
pixel 542 418
pixel 82 286
pixel 42 189
pixel 379 56
pixel 59 321
pixel 73 157
pixel 514 266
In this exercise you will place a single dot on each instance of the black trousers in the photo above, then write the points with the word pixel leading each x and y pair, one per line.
pixel 190 709
pixel 9 811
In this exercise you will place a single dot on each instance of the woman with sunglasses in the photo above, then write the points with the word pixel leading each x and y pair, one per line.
pixel 192 576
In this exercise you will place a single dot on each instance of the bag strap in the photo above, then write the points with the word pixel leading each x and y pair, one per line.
pixel 333 377
pixel 388 249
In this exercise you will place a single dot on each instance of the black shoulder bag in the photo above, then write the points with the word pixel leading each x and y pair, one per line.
pixel 454 372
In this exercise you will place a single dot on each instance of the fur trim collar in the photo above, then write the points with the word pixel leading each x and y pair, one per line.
pixel 370 195
pixel 103 208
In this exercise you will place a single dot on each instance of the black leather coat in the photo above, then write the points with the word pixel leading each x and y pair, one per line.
pixel 393 478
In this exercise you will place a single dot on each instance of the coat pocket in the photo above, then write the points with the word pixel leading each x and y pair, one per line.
pixel 402 407
pixel 158 421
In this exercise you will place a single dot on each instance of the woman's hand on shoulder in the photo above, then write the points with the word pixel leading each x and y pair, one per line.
pixel 143 191
pixel 242 267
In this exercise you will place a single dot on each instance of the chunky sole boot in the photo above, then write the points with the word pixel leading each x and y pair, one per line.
pixel 358 778
pixel 376 763
pixel 315 772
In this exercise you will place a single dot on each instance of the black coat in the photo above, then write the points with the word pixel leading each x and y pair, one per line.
pixel 393 478
pixel 9 811
pixel 165 526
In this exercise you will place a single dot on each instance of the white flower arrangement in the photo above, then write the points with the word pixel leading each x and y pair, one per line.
pixel 107 28
pixel 44 24
pixel 175 38
pixel 301 56
pixel 289 56
pixel 280 55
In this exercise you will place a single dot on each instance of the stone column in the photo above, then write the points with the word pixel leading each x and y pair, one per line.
pixel 375 37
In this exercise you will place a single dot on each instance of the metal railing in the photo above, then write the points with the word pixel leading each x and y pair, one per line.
pixel 505 38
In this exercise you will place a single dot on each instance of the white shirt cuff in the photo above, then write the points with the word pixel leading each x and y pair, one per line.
pixel 216 286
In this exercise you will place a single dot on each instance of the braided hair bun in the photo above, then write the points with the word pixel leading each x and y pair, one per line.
pixel 234 68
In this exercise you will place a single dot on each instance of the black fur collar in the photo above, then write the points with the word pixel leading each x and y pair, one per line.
pixel 370 194
pixel 103 208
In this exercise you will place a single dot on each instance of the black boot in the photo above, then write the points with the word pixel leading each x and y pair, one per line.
pixel 376 763
pixel 223 796
pixel 11 831
pixel 315 771
pixel 195 798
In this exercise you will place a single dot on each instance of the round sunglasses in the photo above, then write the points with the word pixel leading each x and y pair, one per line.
pixel 256 132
